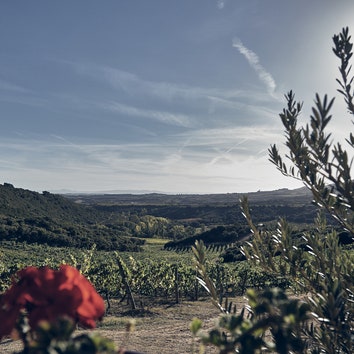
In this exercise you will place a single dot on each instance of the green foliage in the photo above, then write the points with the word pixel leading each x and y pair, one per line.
pixel 271 323
pixel 155 274
pixel 324 167
pixel 58 221
pixel 204 279
pixel 319 267
pixel 51 219
pixel 201 212
pixel 219 235
pixel 58 337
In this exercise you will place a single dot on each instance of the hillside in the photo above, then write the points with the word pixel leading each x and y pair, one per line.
pixel 46 218
pixel 120 222
pixel 23 203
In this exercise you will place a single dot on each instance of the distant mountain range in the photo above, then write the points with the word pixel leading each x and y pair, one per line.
pixel 124 197
pixel 303 191
pixel 115 191
pixel 284 195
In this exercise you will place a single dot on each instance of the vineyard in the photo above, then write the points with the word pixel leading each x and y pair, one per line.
pixel 134 277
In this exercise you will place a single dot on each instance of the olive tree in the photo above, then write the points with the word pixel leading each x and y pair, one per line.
pixel 321 319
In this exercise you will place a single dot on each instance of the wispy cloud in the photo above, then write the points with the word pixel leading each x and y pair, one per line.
pixel 254 62
pixel 226 155
pixel 13 93
pixel 7 86
pixel 163 117
pixel 257 135
pixel 215 159
pixel 196 104
pixel 24 100
pixel 134 85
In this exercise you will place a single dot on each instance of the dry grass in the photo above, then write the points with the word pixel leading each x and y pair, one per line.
pixel 160 327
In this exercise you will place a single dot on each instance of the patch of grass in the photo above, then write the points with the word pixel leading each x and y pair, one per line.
pixel 155 241
pixel 115 322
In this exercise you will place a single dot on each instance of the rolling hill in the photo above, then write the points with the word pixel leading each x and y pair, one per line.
pixel 45 218
pixel 120 221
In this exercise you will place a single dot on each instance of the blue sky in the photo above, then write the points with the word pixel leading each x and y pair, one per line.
pixel 160 95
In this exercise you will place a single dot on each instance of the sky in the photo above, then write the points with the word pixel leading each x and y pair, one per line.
pixel 171 96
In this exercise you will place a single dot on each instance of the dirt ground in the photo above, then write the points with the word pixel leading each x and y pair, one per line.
pixel 159 328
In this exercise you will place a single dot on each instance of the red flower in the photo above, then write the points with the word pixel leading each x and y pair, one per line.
pixel 47 294
pixel 91 306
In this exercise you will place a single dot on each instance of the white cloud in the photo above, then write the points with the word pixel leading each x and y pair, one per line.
pixel 256 135
pixel 254 62
pixel 197 161
pixel 133 83
pixel 163 117
pixel 136 86
pixel 13 93
pixel 201 103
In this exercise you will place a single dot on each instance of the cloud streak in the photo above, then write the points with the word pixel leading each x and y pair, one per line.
pixel 218 160
pixel 7 86
pixel 254 62
pixel 133 84
pixel 162 117
pixel 13 93
pixel 183 105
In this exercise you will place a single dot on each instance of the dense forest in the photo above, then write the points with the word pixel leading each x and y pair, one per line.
pixel 46 218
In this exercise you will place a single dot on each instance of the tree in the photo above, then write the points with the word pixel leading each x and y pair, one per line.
pixel 319 267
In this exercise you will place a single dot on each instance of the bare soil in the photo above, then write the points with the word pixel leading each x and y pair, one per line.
pixel 160 327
